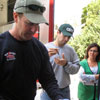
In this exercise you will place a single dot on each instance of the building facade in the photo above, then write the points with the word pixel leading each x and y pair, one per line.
pixel 6 18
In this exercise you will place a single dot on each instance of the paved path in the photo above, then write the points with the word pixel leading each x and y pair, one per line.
pixel 73 88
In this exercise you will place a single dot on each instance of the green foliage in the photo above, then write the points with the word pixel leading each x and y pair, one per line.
pixel 90 12
pixel 90 31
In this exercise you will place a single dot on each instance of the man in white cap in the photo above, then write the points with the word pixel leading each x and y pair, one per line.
pixel 23 59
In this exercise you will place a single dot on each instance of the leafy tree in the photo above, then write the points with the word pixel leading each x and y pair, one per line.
pixel 91 29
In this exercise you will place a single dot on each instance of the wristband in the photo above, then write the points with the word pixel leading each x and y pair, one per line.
pixel 65 64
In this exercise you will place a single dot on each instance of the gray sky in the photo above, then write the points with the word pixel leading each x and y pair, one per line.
pixel 69 11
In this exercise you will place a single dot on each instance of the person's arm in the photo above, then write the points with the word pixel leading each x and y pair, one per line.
pixel 72 67
pixel 86 77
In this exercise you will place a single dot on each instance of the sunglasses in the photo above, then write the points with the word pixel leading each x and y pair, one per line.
pixel 34 8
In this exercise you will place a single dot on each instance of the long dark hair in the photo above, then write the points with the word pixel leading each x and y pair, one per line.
pixel 91 46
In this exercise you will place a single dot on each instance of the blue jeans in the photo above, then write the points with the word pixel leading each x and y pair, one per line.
pixel 65 91
pixel 44 95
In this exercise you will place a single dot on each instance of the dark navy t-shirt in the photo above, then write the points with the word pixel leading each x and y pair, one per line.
pixel 21 64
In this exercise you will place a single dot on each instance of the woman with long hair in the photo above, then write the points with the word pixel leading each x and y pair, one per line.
pixel 89 74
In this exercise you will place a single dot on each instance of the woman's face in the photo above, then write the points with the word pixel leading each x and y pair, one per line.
pixel 93 53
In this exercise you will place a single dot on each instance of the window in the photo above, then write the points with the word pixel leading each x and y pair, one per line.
pixel 10 10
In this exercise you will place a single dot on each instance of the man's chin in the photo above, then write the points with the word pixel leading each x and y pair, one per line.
pixel 29 37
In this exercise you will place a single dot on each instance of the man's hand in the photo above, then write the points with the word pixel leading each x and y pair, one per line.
pixel 61 61
pixel 52 51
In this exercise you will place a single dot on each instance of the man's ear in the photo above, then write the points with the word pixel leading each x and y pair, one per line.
pixel 58 32
pixel 15 16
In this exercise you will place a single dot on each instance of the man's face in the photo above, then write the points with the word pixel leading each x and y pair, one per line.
pixel 62 40
pixel 25 29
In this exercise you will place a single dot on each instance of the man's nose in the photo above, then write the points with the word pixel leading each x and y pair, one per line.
pixel 34 27
pixel 67 39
